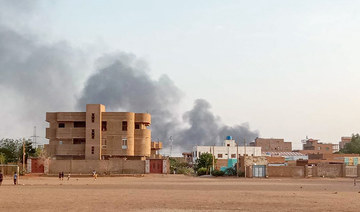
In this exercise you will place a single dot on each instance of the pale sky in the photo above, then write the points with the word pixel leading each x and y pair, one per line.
pixel 288 68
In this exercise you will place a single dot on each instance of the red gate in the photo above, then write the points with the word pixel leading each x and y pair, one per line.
pixel 156 166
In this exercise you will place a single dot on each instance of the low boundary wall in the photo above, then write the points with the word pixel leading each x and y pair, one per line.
pixel 113 166
pixel 285 171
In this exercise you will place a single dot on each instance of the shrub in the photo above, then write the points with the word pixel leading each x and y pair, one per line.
pixel 185 171
pixel 217 173
pixel 230 171
pixel 201 171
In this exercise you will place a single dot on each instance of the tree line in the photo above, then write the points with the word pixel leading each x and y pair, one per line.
pixel 11 150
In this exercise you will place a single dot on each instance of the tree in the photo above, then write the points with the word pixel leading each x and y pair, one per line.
pixel 12 149
pixel 30 151
pixel 353 146
pixel 2 158
pixel 205 161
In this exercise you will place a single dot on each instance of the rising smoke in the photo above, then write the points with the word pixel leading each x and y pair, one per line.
pixel 124 84
pixel 37 77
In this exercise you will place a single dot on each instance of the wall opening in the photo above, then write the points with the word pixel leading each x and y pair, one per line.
pixel 103 126
pixel 124 126
pixel 79 124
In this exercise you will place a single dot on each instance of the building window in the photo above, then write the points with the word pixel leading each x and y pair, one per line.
pixel 61 125
pixel 233 155
pixel 78 140
pixel 124 126
pixel 124 143
pixel 92 150
pixel 319 148
pixel 219 155
pixel 92 133
pixel 137 126
pixel 104 143
pixel 103 126
pixel 78 124
pixel 60 142
pixel 93 117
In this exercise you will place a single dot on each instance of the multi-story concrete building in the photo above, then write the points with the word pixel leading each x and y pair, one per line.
pixel 344 140
pixel 98 135
pixel 312 146
pixel 228 150
pixel 272 145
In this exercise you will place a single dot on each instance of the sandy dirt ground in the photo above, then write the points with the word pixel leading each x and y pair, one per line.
pixel 179 193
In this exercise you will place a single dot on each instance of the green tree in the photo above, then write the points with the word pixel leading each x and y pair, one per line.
pixel 30 151
pixel 205 161
pixel 2 158
pixel 10 148
pixel 353 146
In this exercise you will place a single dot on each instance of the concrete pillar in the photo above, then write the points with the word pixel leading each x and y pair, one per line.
pixel 93 131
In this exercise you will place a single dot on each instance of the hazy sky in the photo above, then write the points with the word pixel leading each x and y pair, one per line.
pixel 288 68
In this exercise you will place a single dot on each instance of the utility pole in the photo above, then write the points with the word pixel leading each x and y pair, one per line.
pixel 245 156
pixel 238 159
pixel 23 155
pixel 213 158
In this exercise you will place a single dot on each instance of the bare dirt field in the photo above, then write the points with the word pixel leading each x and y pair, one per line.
pixel 179 193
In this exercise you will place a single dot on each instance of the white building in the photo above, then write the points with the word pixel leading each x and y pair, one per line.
pixel 227 151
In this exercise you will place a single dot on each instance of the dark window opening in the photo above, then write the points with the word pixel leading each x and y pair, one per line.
pixel 61 125
pixel 79 124
pixel 124 126
pixel 93 117
pixel 92 133
pixel 228 145
pixel 78 140
pixel 103 126
pixel 92 150
pixel 137 126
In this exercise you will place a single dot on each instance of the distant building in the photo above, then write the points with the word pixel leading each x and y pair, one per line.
pixel 227 151
pixel 188 157
pixel 312 146
pixel 344 140
pixel 272 145
pixel 288 156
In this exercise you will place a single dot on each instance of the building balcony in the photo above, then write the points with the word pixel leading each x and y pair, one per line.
pixel 156 145
pixel 50 133
pixel 70 149
pixel 143 118
pixel 68 133
pixel 71 116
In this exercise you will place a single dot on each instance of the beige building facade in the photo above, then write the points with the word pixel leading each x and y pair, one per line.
pixel 99 135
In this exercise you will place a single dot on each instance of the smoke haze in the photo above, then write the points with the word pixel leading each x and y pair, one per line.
pixel 37 77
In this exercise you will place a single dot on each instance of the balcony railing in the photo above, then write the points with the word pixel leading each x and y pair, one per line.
pixel 156 145
pixel 63 133
pixel 70 149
